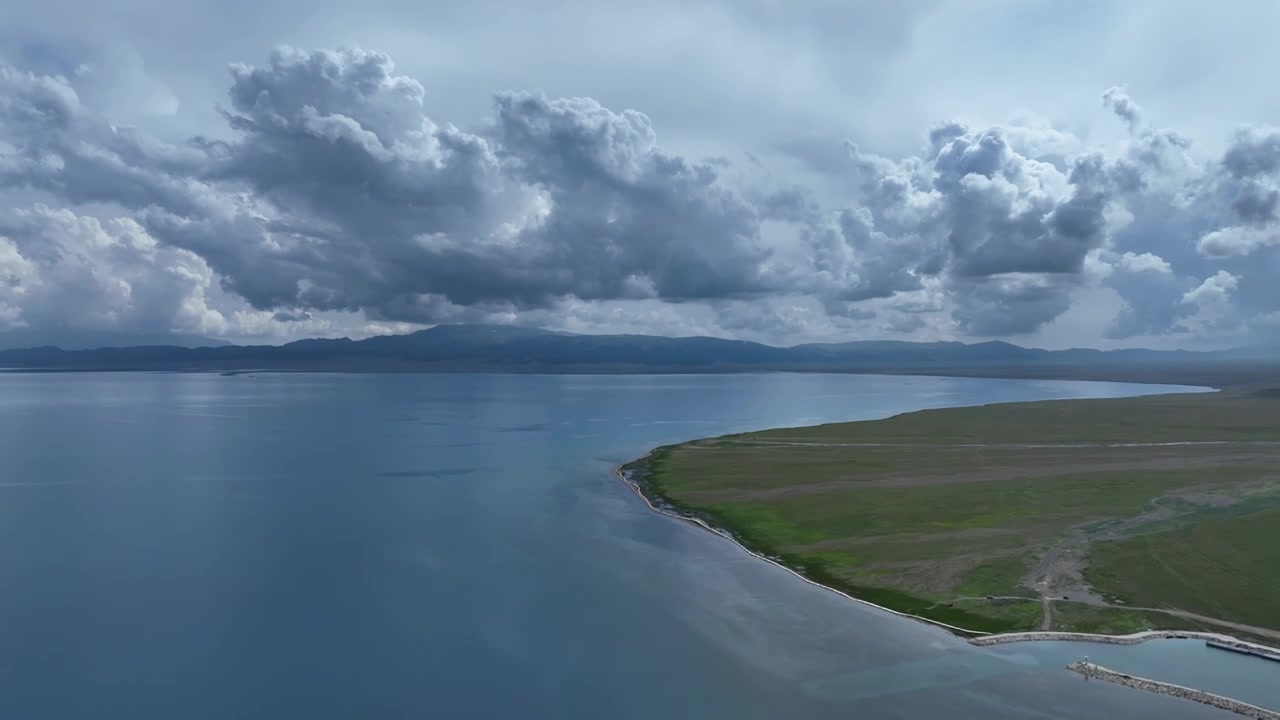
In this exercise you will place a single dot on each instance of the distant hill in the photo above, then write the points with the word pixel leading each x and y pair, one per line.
pixel 506 348
pixel 92 339
pixel 1260 350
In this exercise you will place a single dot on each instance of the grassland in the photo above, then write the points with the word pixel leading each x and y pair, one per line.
pixel 1226 568
pixel 1090 515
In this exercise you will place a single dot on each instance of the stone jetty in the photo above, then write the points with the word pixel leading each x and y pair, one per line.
pixel 1089 670
pixel 1133 639
pixel 1245 648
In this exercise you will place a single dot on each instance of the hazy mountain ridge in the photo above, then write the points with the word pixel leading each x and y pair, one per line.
pixel 23 338
pixel 505 348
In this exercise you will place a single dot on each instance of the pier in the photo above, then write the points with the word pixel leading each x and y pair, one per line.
pixel 1218 640
pixel 1261 651
pixel 1090 670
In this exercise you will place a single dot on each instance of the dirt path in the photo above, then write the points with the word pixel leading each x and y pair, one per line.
pixel 1046 622
pixel 1059 574
pixel 983 475
pixel 1060 570
pixel 1260 631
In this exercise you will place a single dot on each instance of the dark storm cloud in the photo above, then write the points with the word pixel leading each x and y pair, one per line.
pixel 290 317
pixel 61 147
pixel 1152 304
pixel 362 186
pixel 1253 152
pixel 877 266
pixel 335 189
pixel 1250 182
pixel 1003 217
pixel 1252 165
pixel 389 210
pixel 1010 304
pixel 340 136
pixel 1212 225
pixel 364 202
pixel 1256 205
pixel 1007 232
pixel 622 210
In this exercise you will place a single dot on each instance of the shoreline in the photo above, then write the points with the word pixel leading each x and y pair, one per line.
pixel 621 474
pixel 979 638
pixel 1211 381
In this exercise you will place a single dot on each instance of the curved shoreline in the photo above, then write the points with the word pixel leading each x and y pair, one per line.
pixel 621 474
pixel 973 637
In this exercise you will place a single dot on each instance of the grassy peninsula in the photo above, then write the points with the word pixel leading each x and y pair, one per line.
pixel 1106 516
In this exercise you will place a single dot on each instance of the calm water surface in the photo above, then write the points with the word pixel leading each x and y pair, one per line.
pixel 323 546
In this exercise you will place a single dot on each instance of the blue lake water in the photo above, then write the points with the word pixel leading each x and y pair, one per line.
pixel 399 546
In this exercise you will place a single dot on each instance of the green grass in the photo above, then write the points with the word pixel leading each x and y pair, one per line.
pixel 816 569
pixel 1077 617
pixel 915 525
pixel 997 576
pixel 1158 418
pixel 1224 568
pixel 1010 504
pixel 762 524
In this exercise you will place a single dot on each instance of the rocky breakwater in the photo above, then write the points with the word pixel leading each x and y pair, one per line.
pixel 1245 648
pixel 1133 639
pixel 1089 670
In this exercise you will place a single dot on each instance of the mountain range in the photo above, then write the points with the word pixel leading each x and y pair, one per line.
pixel 90 339
pixel 508 348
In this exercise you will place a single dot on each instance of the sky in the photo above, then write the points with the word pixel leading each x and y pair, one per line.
pixel 1054 174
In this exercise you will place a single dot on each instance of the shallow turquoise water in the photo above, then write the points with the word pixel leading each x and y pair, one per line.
pixel 335 546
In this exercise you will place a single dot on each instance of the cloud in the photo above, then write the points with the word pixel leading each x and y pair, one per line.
pixel 372 205
pixel 291 317
pixel 625 217
pixel 1118 101
pixel 1143 262
pixel 1253 152
pixel 1007 232
pixel 59 269
pixel 335 191
pixel 1213 291
pixel 1237 240
pixel 1152 304
pixel 1211 303
pixel 1249 180
pixel 1011 304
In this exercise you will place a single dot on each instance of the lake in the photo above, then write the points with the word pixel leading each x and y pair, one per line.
pixel 454 546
